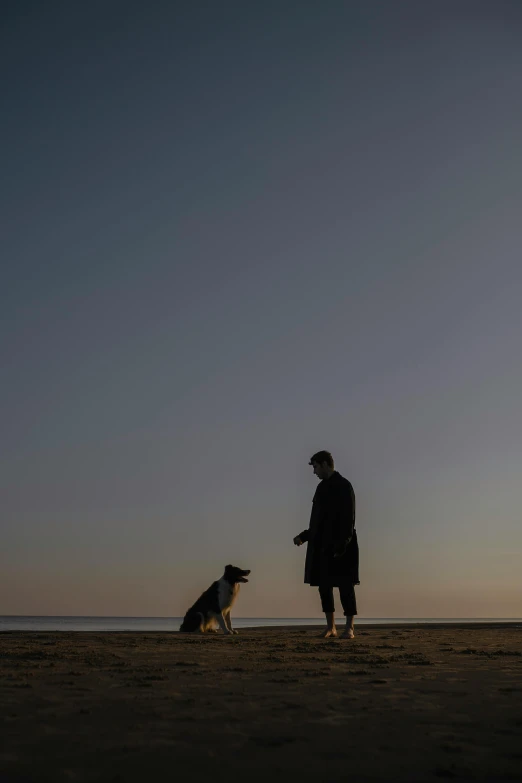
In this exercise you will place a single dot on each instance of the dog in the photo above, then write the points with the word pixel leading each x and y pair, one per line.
pixel 214 605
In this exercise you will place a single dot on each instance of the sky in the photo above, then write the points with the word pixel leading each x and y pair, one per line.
pixel 234 234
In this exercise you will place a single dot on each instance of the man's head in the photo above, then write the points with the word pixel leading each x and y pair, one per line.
pixel 323 464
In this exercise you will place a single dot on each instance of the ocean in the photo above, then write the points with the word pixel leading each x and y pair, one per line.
pixel 42 623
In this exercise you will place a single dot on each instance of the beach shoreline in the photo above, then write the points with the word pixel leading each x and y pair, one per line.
pixel 399 702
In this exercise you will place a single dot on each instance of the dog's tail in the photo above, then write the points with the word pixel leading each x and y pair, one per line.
pixel 193 621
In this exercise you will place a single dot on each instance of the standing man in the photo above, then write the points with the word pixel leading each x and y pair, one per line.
pixel 332 557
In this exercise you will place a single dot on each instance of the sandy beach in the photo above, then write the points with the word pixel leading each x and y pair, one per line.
pixel 397 703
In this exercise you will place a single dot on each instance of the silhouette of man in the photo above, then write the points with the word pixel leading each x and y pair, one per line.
pixel 332 557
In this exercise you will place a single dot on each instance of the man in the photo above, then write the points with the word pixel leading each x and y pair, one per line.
pixel 332 557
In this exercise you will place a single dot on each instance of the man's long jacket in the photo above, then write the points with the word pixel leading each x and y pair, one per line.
pixel 332 556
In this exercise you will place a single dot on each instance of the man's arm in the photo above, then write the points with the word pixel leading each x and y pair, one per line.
pixel 345 514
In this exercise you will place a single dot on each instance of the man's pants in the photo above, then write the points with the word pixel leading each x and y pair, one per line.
pixel 348 602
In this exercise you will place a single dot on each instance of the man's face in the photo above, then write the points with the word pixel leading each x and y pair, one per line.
pixel 320 469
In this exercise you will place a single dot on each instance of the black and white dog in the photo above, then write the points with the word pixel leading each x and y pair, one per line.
pixel 214 605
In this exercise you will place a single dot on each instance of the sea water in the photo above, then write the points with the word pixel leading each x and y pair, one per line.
pixel 43 623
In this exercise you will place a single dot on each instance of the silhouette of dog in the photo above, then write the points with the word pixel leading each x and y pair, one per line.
pixel 213 606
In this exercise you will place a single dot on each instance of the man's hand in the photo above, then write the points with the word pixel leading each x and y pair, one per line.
pixel 297 541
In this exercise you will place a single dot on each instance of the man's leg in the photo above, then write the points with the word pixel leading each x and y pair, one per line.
pixel 349 604
pixel 327 602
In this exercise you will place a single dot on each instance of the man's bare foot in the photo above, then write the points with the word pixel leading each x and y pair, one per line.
pixel 348 634
pixel 330 633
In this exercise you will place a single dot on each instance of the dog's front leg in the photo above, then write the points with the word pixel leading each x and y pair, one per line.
pixel 222 624
pixel 229 623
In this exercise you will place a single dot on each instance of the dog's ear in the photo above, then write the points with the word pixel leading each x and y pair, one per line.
pixel 227 567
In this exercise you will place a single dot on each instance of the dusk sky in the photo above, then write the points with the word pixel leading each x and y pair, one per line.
pixel 233 234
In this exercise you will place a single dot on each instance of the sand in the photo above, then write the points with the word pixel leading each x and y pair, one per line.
pixel 397 703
